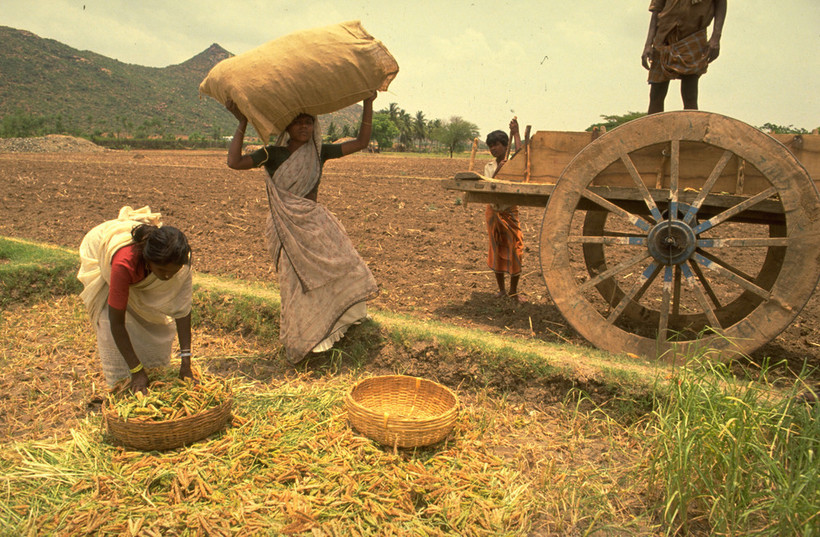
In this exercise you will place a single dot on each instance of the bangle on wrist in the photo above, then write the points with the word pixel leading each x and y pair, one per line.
pixel 185 353
pixel 137 369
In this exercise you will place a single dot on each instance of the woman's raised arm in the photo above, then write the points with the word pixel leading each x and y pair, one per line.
pixel 236 160
pixel 365 129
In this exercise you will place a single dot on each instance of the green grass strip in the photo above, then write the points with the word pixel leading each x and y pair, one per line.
pixel 30 272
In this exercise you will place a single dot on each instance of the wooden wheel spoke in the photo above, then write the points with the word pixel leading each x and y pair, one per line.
pixel 674 176
pixel 623 267
pixel 608 205
pixel 608 233
pixel 732 211
pixel 676 295
pixel 666 296
pixel 707 186
pixel 743 242
pixel 706 285
pixel 647 283
pixel 692 285
pixel 745 283
pixel 636 177
pixel 639 288
pixel 727 266
pixel 608 240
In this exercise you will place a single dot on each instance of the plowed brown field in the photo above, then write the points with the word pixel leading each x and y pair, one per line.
pixel 425 248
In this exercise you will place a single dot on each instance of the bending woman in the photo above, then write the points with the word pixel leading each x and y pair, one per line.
pixel 136 276
pixel 323 282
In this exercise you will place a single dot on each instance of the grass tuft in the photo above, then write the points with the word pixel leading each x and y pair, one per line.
pixel 29 272
pixel 735 458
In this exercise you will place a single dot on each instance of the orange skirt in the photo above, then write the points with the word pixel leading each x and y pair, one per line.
pixel 506 240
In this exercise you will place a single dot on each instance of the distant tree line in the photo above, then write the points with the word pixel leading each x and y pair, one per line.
pixel 396 129
pixel 24 125
pixel 393 129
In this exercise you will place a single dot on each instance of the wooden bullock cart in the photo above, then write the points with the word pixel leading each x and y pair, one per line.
pixel 672 233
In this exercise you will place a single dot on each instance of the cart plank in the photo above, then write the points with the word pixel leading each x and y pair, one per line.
pixel 551 151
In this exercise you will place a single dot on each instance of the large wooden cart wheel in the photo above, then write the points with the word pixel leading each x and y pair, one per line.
pixel 715 246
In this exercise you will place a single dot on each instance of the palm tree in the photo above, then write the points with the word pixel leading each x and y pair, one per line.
pixel 432 127
pixel 393 112
pixel 420 127
pixel 405 124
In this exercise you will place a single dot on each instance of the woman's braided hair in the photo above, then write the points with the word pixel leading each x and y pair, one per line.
pixel 162 245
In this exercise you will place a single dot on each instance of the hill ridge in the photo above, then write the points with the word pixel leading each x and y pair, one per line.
pixel 82 92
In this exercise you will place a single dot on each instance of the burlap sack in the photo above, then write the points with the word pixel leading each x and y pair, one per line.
pixel 314 71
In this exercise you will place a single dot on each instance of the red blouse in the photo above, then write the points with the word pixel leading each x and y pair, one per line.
pixel 127 268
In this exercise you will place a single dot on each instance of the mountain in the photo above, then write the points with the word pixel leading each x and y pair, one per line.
pixel 85 92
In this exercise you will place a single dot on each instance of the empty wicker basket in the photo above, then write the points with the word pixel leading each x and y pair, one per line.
pixel 168 434
pixel 402 411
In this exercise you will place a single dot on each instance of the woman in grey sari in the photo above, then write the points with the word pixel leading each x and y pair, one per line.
pixel 323 282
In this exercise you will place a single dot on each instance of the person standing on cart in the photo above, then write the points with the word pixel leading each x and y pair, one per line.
pixel 506 242
pixel 677 48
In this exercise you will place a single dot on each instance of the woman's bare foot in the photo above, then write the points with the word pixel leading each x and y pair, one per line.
pixel 521 298
pixel 501 294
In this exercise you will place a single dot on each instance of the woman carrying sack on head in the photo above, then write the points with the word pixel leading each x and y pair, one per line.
pixel 323 281
pixel 136 276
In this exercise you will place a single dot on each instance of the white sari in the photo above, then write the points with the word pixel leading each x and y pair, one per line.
pixel 153 304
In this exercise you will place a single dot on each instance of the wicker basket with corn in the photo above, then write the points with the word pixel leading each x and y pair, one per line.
pixel 174 412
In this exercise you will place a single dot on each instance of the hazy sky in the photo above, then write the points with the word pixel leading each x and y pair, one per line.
pixel 556 64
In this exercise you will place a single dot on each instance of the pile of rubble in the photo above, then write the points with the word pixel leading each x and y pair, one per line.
pixel 53 143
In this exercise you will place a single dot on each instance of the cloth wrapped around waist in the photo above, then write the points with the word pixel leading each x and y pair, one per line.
pixel 688 56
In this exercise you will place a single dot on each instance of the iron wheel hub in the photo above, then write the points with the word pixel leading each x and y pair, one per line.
pixel 671 242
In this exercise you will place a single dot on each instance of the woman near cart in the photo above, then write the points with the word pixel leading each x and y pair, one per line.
pixel 324 283
pixel 136 275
